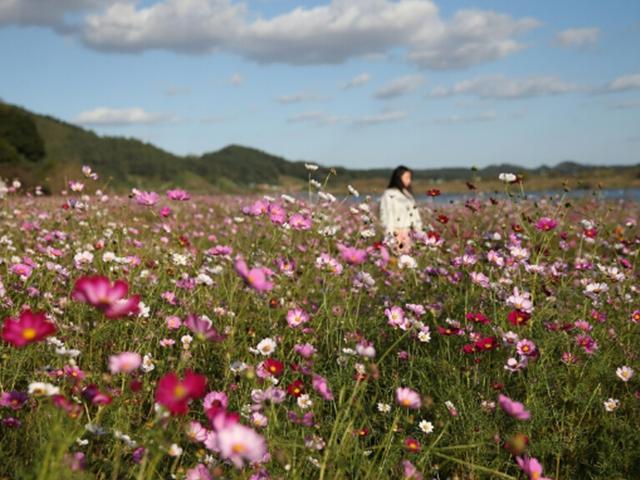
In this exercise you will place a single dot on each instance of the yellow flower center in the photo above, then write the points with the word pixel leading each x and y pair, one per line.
pixel 239 448
pixel 29 333
pixel 180 391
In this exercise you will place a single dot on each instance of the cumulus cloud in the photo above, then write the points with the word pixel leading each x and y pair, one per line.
pixel 324 34
pixel 53 14
pixel 113 117
pixel 501 87
pixel 357 81
pixel 400 86
pixel 625 82
pixel 578 37
pixel 472 37
pixel 378 118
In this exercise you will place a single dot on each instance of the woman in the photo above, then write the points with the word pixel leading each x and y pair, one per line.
pixel 398 212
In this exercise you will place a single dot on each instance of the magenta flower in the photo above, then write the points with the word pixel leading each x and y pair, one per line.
pixel 125 362
pixel 28 328
pixel 531 467
pixel 109 299
pixel 408 398
pixel 298 221
pixel 202 327
pixel 256 278
pixel 178 195
pixel 321 386
pixel 545 224
pixel 176 394
pixel 305 350
pixel 513 408
pixel 410 472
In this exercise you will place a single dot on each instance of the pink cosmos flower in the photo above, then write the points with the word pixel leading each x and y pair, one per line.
pixel 238 444
pixel 296 317
pixel 305 350
pixel 125 362
pixel 29 327
pixel 199 472
pixel 196 432
pixel 321 386
pixel 513 408
pixel 109 299
pixel 298 221
pixel 531 467
pixel 352 255
pixel 175 394
pixel 178 195
pixel 526 348
pixel 215 400
pixel 148 199
pixel 256 278
pixel 408 398
pixel 203 328
pixel 410 472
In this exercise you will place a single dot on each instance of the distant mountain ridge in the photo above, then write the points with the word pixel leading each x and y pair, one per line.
pixel 42 150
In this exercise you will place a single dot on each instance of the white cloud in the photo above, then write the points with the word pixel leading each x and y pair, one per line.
pixel 481 117
pixel 625 82
pixel 175 90
pixel 324 34
pixel 400 86
pixel 578 37
pixel 501 87
pixel 357 81
pixel 472 37
pixel 315 117
pixel 236 79
pixel 378 118
pixel 104 116
pixel 297 98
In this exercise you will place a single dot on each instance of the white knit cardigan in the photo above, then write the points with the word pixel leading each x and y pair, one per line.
pixel 398 211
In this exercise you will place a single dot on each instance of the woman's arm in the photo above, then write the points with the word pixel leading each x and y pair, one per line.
pixel 386 212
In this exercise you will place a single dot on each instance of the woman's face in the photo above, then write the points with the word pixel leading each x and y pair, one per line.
pixel 405 178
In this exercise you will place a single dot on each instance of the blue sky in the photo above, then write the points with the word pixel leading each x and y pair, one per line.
pixel 359 83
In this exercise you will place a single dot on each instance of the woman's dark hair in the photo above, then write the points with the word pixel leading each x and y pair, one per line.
pixel 396 182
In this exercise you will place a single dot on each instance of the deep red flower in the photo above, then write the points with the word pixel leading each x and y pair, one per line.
pixel 412 444
pixel 518 317
pixel 442 218
pixel 110 299
pixel 175 394
pixel 296 388
pixel 273 366
pixel 448 330
pixel 433 192
pixel 487 343
pixel 478 318
pixel 29 327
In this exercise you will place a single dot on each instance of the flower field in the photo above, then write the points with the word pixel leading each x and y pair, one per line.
pixel 164 335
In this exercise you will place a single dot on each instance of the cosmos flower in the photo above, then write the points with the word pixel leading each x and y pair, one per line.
pixel 109 298
pixel 28 328
pixel 176 394
pixel 125 362
pixel 256 278
pixel 513 408
pixel 624 373
pixel 408 398
pixel 177 194
pixel 531 467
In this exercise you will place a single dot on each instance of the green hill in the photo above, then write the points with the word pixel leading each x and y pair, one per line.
pixel 42 150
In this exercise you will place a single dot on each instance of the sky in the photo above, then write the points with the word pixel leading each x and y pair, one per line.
pixel 356 83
